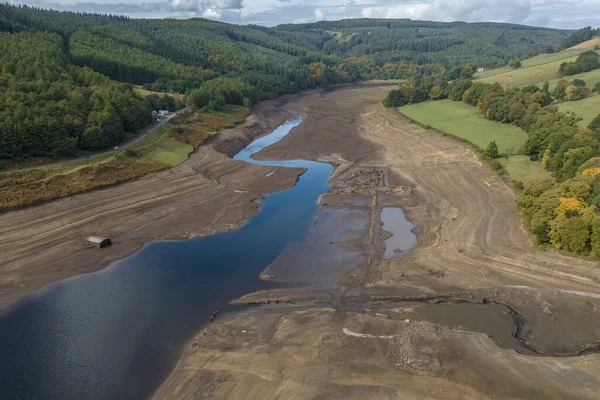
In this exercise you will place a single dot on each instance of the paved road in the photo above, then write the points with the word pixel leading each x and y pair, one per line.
pixel 91 157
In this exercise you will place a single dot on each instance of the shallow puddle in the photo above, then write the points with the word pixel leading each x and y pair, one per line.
pixel 403 238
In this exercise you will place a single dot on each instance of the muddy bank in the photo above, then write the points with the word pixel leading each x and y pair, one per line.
pixel 209 193
pixel 301 354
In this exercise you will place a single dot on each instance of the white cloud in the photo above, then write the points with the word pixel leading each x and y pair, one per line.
pixel 571 14
pixel 318 14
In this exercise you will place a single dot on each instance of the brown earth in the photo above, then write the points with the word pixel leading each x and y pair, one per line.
pixel 500 319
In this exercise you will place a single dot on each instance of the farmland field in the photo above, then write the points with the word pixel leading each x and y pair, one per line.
pixel 464 121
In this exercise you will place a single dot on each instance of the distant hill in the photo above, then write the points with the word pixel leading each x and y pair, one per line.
pixel 450 44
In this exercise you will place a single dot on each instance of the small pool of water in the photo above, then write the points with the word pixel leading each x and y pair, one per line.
pixel 403 238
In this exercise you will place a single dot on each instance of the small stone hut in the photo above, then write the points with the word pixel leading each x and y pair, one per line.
pixel 98 241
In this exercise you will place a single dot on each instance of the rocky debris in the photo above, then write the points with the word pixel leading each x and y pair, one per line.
pixel 367 181
pixel 362 181
pixel 418 348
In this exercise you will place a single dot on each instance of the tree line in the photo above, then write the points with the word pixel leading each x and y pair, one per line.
pixel 585 62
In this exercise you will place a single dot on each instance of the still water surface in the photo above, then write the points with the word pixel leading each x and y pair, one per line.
pixel 116 333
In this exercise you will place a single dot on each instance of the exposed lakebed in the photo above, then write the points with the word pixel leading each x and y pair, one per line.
pixel 116 333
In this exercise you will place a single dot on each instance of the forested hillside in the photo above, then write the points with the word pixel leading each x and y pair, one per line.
pixel 60 71
pixel 51 107
pixel 449 44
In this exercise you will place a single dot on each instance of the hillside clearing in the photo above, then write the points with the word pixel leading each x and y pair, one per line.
pixel 587 108
pixel 143 92
pixel 464 121
pixel 523 169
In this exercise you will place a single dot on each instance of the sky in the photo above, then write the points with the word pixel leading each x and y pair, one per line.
pixel 563 14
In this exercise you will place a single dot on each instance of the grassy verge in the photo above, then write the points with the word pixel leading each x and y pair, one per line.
pixel 165 147
pixel 464 121
pixel 588 108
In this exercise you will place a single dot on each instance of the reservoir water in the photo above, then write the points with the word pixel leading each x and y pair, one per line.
pixel 116 333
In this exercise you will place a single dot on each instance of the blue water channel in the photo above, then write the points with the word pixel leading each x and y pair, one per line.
pixel 116 333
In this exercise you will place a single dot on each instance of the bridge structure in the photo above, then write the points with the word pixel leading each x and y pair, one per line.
pixel 348 86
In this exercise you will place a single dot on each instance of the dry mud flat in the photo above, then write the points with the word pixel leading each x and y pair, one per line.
pixel 499 320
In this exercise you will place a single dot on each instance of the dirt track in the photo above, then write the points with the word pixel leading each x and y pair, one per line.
pixel 403 344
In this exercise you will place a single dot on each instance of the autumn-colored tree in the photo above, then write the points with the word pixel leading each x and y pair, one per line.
pixel 436 93
pixel 568 206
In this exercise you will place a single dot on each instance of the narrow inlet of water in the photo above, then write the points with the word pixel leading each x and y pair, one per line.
pixel 116 333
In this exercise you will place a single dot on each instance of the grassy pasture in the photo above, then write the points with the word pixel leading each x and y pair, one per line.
pixel 590 78
pixel 464 121
pixel 539 69
pixel 588 108
pixel 538 73
pixel 532 62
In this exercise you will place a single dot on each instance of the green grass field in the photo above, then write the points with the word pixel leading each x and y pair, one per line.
pixel 538 73
pixel 523 169
pixel 158 146
pixel 588 108
pixel 536 61
pixel 464 121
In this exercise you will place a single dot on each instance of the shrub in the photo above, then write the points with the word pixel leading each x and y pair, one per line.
pixel 492 150
pixel 495 165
